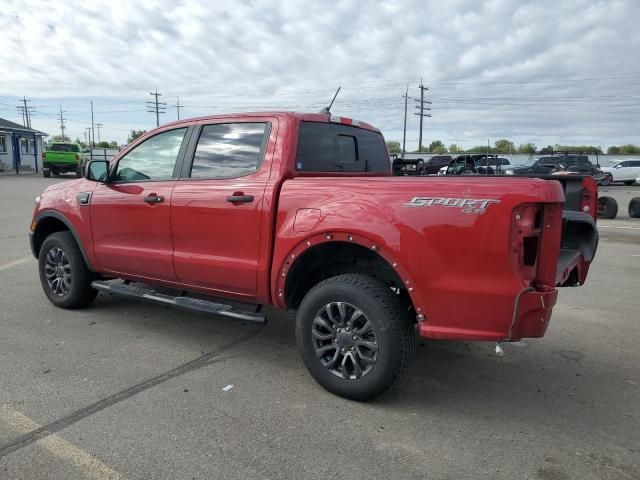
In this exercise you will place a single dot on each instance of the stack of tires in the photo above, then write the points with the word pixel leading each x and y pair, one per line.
pixel 608 207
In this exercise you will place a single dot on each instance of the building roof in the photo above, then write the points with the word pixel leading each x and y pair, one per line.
pixel 9 125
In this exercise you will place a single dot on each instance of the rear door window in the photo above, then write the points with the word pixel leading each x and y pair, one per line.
pixel 229 150
pixel 328 147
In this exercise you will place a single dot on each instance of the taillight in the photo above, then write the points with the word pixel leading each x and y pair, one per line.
pixel 77 157
pixel 589 199
pixel 525 238
pixel 44 156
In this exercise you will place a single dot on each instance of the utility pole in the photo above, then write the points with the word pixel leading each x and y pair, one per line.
pixel 26 111
pixel 61 122
pixel 404 129
pixel 156 106
pixel 421 106
pixel 93 134
pixel 98 126
pixel 177 106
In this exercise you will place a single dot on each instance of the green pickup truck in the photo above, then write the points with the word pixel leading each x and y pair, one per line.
pixel 61 158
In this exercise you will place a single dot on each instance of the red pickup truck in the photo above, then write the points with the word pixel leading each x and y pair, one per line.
pixel 301 212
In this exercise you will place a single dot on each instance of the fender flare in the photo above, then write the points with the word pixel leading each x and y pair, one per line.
pixel 58 216
pixel 340 236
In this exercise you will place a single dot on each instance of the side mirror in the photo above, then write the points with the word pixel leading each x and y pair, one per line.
pixel 618 166
pixel 98 171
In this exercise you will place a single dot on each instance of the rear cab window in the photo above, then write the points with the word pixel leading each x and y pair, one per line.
pixel 64 147
pixel 330 147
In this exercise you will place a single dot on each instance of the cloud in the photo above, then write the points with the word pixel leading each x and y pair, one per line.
pixel 545 71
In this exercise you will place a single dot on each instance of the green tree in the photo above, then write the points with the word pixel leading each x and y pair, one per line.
pixel 529 148
pixel 437 147
pixel 546 150
pixel 481 149
pixel 394 148
pixel 504 146
pixel 80 142
pixel 453 148
pixel 113 145
pixel 135 134
pixel 589 149
pixel 102 144
pixel 60 138
pixel 624 150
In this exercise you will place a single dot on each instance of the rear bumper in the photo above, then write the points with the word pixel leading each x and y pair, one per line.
pixel 531 315
pixel 61 165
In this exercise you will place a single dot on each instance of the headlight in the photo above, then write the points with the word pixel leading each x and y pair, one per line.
pixel 508 172
pixel 37 199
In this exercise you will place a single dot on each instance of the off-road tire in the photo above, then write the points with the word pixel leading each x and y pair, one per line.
pixel 393 327
pixel 634 207
pixel 80 294
pixel 607 208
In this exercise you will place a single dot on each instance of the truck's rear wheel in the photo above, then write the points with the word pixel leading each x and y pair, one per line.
pixel 355 338
pixel 64 276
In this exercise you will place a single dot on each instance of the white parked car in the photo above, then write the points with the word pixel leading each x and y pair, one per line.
pixel 627 171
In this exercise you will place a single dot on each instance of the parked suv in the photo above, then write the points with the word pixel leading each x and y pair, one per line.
pixel 435 163
pixel 564 162
pixel 475 165
pixel 625 171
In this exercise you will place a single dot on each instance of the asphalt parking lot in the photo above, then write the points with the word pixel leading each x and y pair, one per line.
pixel 131 390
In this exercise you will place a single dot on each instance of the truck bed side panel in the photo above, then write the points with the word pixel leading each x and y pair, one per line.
pixel 465 277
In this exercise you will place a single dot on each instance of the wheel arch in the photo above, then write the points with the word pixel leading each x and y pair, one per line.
pixel 328 254
pixel 48 222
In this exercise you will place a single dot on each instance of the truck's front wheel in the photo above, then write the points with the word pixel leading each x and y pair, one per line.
pixel 354 336
pixel 64 276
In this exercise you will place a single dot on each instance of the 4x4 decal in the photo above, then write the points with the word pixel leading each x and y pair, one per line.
pixel 477 206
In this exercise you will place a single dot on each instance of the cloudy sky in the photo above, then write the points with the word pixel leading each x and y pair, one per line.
pixel 549 71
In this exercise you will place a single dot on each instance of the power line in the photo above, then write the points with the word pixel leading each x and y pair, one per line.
pixel 98 126
pixel 156 106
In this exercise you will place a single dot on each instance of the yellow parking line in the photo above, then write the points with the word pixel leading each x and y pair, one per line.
pixel 90 466
pixel 15 262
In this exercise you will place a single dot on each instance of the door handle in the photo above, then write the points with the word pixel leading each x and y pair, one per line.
pixel 153 198
pixel 240 198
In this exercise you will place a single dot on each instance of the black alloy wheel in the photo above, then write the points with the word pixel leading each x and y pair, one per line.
pixel 344 340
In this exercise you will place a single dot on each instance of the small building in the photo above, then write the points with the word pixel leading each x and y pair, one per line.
pixel 20 146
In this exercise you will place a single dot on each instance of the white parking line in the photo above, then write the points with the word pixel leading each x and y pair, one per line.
pixel 90 466
pixel 13 263
pixel 613 226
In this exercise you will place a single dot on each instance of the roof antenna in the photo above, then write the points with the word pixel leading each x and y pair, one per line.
pixel 326 110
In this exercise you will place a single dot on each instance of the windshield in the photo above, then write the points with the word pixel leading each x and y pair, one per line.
pixel 64 147
pixel 609 162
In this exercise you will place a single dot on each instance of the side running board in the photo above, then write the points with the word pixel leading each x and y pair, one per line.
pixel 185 303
